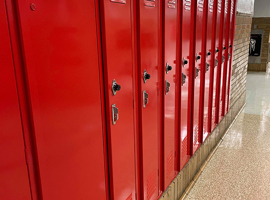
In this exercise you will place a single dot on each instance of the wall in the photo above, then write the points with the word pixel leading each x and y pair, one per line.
pixel 261 23
pixel 246 6
pixel 262 8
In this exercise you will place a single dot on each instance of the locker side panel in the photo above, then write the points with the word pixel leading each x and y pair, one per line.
pixel 186 76
pixel 61 64
pixel 170 22
pixel 118 65
pixel 14 181
pixel 148 47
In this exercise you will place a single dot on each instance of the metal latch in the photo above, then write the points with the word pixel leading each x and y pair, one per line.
pixel 216 62
pixel 207 67
pixel 229 56
pixel 167 87
pixel 183 79
pixel 223 59
pixel 196 72
pixel 115 87
pixel 145 98
pixel 115 115
pixel 146 76
pixel 168 68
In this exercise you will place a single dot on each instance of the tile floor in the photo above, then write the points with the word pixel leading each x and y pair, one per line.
pixel 240 167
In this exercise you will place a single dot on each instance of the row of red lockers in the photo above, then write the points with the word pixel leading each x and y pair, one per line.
pixel 108 99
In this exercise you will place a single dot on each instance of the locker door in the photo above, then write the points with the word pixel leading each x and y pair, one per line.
pixel 209 69
pixel 61 64
pixel 219 44
pixel 148 13
pixel 230 58
pixel 198 73
pixel 226 68
pixel 185 89
pixel 223 60
pixel 14 181
pixel 170 23
pixel 118 52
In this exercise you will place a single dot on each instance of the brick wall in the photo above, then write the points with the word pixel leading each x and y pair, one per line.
pixel 240 56
pixel 262 23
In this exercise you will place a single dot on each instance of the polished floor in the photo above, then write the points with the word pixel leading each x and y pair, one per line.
pixel 240 167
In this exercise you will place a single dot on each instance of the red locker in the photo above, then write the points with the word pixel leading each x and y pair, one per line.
pixel 226 68
pixel 199 71
pixel 59 44
pixel 230 53
pixel 116 26
pixel 14 181
pixel 149 94
pixel 185 57
pixel 170 77
pixel 219 61
pixel 210 67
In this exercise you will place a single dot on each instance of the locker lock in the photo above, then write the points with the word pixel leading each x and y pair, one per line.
pixel 146 76
pixel 185 62
pixel 230 45
pixel 115 87
pixel 207 67
pixel 217 50
pixel 198 57
pixel 196 72
pixel 208 53
pixel 216 62
pixel 224 48
pixel 167 87
pixel 168 68
pixel 183 79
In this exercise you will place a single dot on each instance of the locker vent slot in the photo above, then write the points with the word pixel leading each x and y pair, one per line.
pixel 151 184
pixel 183 152
pixel 169 164
pixel 119 1
pixel 129 197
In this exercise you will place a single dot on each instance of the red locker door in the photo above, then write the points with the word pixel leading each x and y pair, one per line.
pixel 185 89
pixel 230 55
pixel 118 65
pixel 210 66
pixel 14 181
pixel 61 64
pixel 219 48
pixel 148 13
pixel 226 68
pixel 223 60
pixel 199 73
pixel 170 27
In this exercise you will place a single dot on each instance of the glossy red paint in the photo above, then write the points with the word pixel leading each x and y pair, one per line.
pixel 219 47
pixel 117 45
pixel 59 43
pixel 185 61
pixel 149 107
pixel 14 181
pixel 226 68
pixel 199 70
pixel 230 60
pixel 210 61
pixel 170 78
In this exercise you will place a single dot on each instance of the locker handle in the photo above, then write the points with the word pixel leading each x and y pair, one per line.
pixel 196 72
pixel 115 115
pixel 223 59
pixel 115 87
pixel 207 67
pixel 216 62
pixel 168 68
pixel 198 57
pixel 145 98
pixel 185 62
pixel 229 56
pixel 167 87
pixel 183 79
pixel 146 76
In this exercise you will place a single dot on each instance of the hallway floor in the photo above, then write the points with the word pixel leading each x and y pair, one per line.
pixel 240 167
